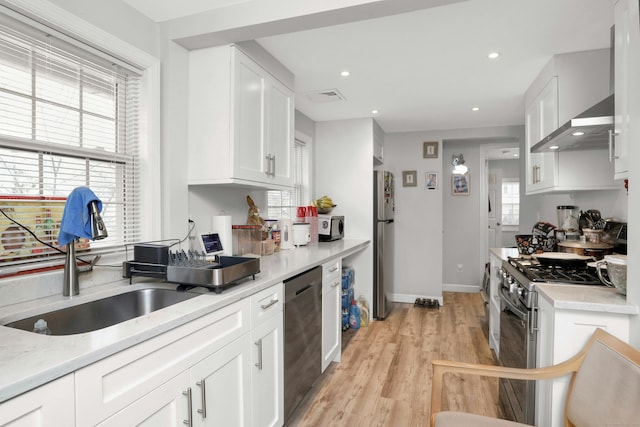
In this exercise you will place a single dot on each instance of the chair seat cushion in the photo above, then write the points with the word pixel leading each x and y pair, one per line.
pixel 461 419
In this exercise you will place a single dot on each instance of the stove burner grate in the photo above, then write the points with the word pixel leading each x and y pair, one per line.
pixel 555 274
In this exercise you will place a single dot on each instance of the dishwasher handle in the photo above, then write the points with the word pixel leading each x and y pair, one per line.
pixel 304 289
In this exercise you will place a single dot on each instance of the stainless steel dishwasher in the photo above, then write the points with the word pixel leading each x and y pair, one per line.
pixel 302 336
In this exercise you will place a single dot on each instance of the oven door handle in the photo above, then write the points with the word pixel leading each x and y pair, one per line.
pixel 512 307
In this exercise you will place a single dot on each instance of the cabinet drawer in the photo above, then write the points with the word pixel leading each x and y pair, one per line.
pixel 331 274
pixel 331 268
pixel 266 304
pixel 113 383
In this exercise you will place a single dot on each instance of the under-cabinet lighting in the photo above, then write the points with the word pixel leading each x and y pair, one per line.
pixel 553 147
pixel 578 133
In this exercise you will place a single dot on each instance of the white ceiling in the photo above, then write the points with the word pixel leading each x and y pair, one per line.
pixel 426 69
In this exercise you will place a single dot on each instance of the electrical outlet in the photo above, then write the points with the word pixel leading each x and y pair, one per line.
pixel 460 268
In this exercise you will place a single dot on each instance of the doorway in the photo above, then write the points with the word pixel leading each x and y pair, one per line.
pixel 501 173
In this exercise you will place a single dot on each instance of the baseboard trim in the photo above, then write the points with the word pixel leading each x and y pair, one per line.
pixel 460 288
pixel 411 298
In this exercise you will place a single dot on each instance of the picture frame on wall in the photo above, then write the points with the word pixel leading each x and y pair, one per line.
pixel 460 185
pixel 430 150
pixel 431 180
pixel 409 178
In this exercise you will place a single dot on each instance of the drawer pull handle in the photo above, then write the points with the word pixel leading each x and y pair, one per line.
pixel 189 420
pixel 272 302
pixel 335 284
pixel 203 385
pixel 332 269
pixel 259 344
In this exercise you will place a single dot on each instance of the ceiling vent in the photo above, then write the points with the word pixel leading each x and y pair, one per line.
pixel 328 95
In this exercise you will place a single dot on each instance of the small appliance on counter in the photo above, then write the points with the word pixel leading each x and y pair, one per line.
pixel 286 233
pixel 330 227
pixel 301 233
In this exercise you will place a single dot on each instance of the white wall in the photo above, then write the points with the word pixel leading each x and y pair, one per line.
pixel 344 159
pixel 435 230
pixel 418 218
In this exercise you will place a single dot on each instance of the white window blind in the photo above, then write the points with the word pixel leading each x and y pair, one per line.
pixel 69 118
pixel 282 204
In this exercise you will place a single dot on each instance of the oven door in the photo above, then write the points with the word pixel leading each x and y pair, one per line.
pixel 517 350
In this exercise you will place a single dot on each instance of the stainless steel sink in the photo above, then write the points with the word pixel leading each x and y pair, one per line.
pixel 105 312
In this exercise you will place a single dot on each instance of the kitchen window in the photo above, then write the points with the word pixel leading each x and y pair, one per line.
pixel 69 119
pixel 282 204
pixel 510 202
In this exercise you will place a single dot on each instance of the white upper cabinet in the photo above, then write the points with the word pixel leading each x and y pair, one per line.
pixel 541 118
pixel 627 67
pixel 240 121
pixel 568 85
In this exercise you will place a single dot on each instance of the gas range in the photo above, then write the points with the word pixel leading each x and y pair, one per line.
pixel 520 276
pixel 574 275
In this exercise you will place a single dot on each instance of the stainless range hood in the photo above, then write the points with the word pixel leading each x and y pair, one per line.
pixel 589 130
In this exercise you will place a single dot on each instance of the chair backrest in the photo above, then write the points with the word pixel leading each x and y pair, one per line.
pixel 605 391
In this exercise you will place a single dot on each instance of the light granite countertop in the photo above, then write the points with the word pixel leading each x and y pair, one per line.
pixel 578 297
pixel 28 360
pixel 586 298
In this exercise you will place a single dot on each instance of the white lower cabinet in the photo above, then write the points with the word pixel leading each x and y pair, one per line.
pixel 223 369
pixel 331 312
pixel 49 405
pixel 164 406
pixel 221 387
pixel 267 363
pixel 561 334
pixel 267 373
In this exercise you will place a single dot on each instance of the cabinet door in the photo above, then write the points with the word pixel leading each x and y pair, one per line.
pixel 248 119
pixel 279 131
pixel 166 406
pixel 627 64
pixel 331 320
pixel 267 373
pixel 541 118
pixel 222 386
pixel 49 405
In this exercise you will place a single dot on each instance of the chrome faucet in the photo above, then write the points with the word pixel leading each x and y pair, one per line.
pixel 70 285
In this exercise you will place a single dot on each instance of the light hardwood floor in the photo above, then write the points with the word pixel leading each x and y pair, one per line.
pixel 384 378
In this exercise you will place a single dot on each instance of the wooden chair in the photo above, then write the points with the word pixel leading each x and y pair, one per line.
pixel 604 388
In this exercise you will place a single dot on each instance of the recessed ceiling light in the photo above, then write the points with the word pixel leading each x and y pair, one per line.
pixel 374 111
pixel 493 55
pixel 578 133
pixel 553 147
pixel 516 155
pixel 345 73
pixel 475 109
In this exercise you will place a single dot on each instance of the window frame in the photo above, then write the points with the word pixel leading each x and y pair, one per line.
pixel 74 30
pixel 306 178
pixel 516 183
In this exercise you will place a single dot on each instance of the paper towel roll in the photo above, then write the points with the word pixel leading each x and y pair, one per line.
pixel 221 224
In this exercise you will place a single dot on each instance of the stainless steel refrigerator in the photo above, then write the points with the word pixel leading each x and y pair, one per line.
pixel 383 208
